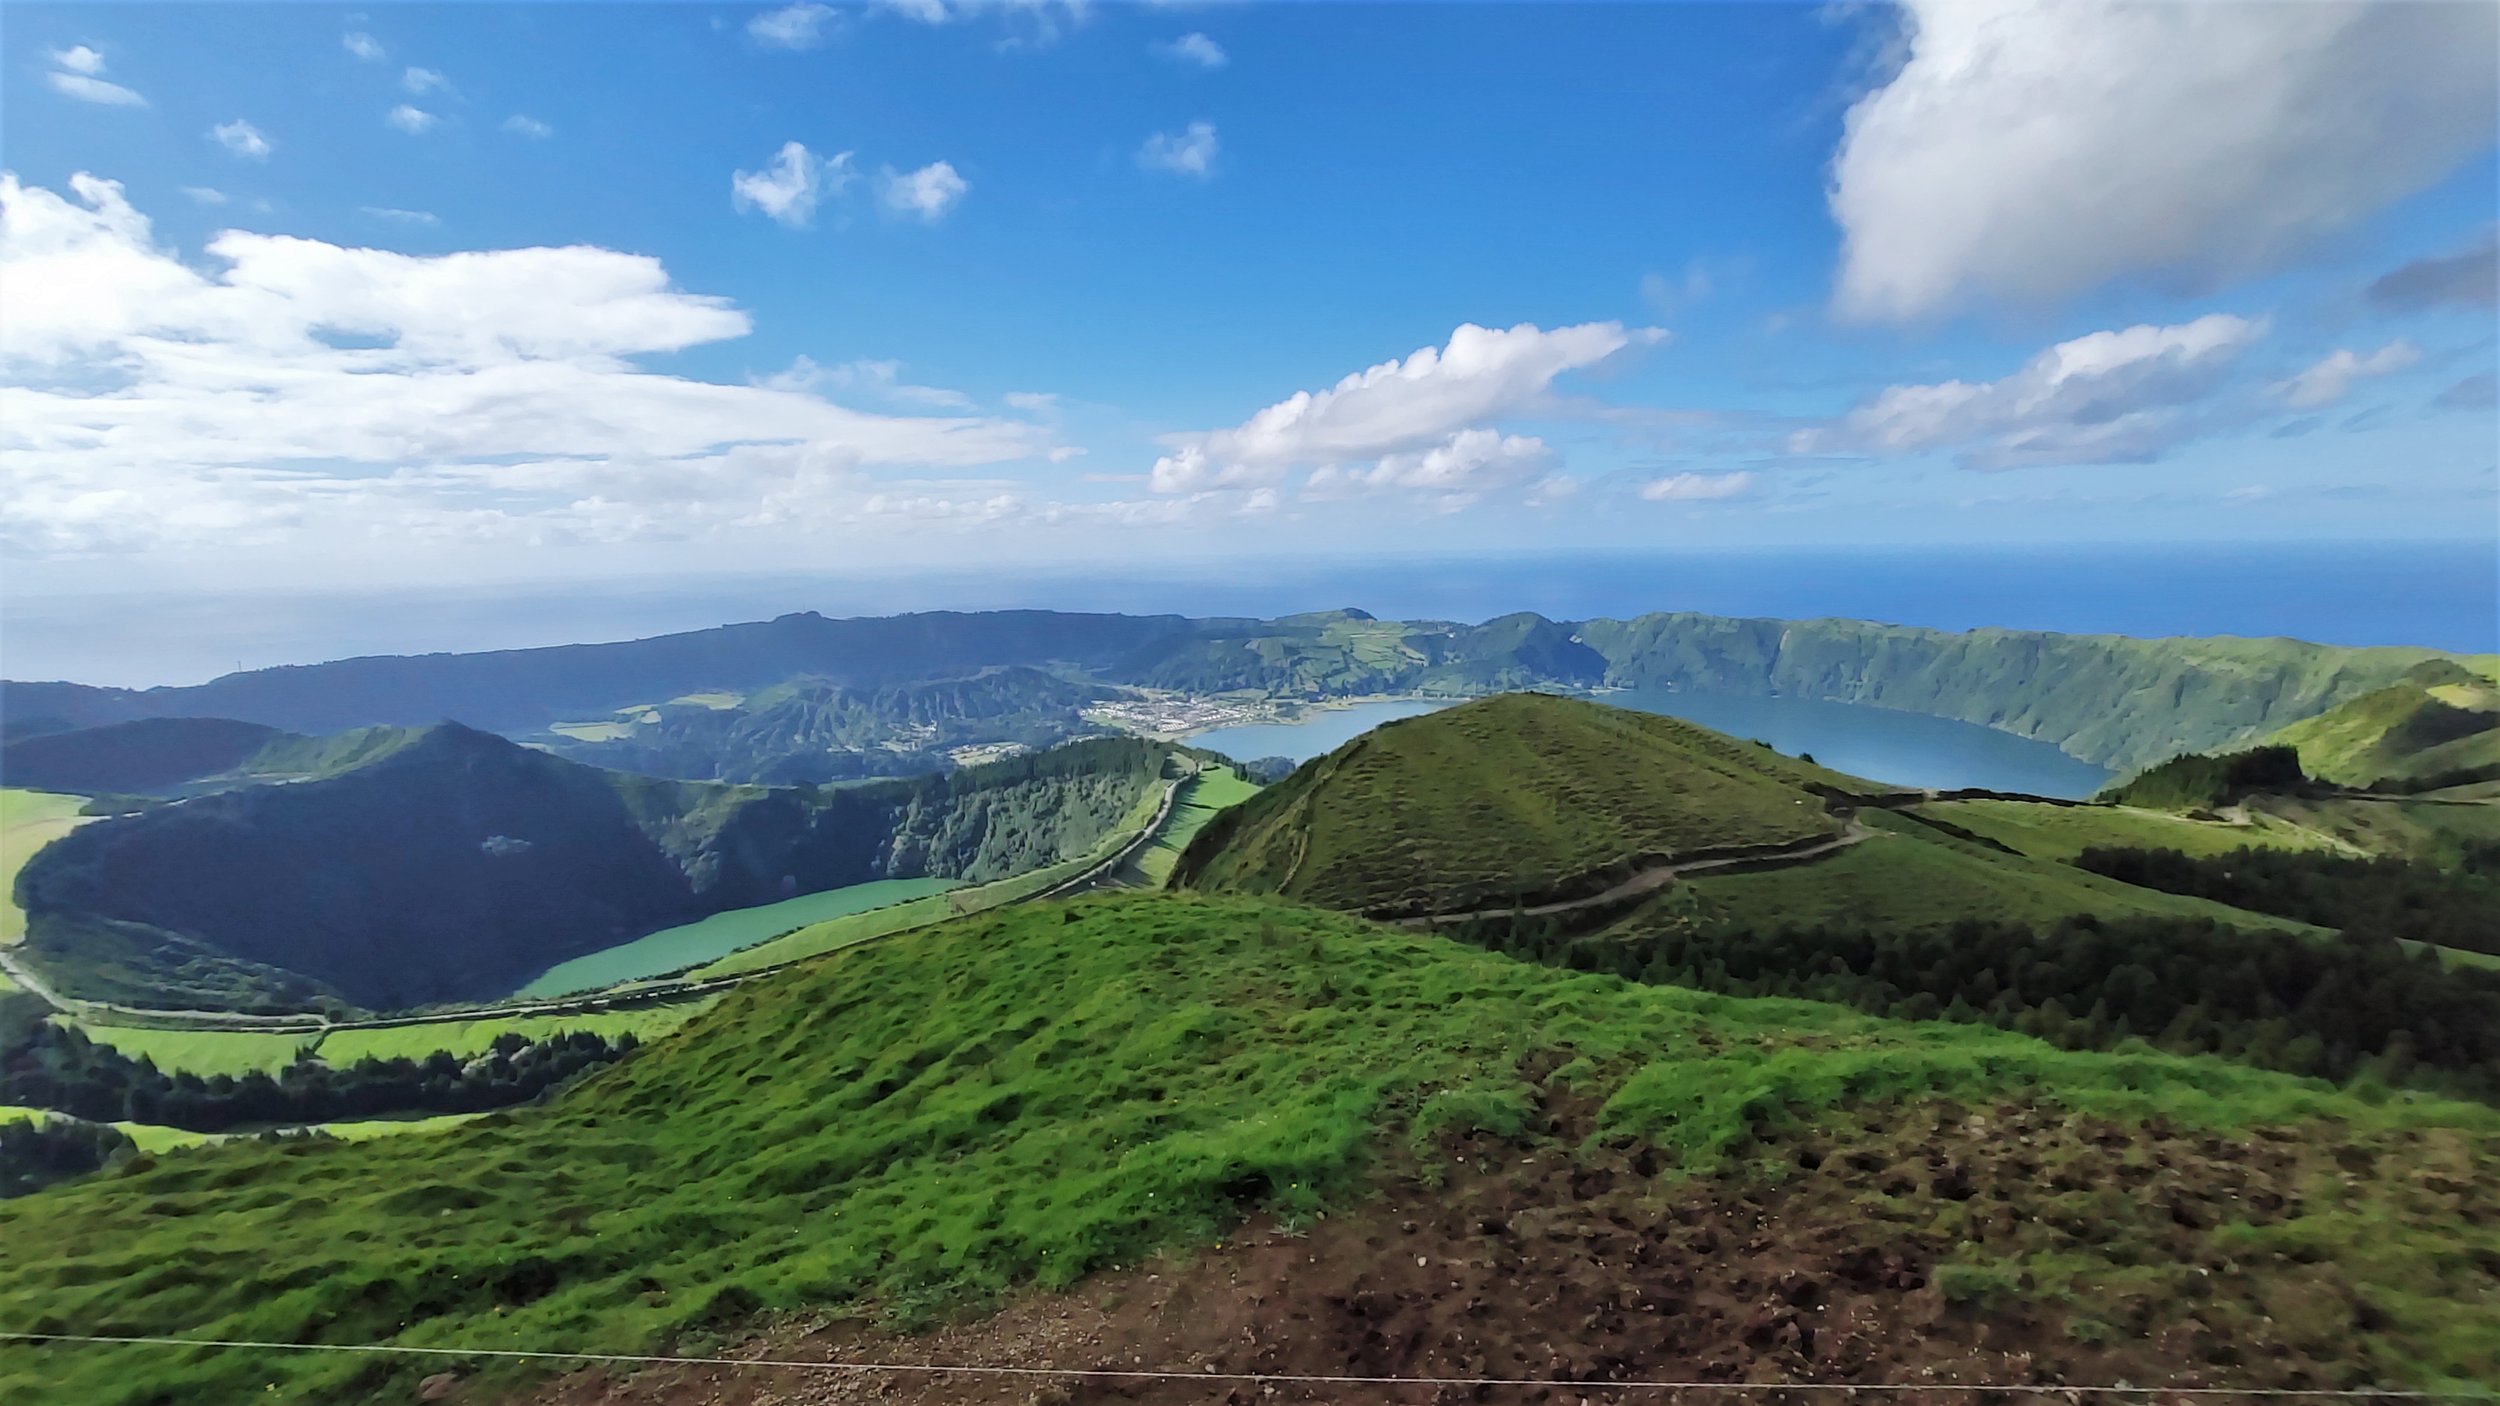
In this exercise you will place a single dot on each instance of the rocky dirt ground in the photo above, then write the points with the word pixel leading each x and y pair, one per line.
pixel 1876 1253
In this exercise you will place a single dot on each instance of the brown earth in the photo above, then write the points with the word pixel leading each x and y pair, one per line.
pixel 1826 1260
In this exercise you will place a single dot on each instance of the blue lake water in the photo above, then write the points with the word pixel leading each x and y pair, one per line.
pixel 1880 744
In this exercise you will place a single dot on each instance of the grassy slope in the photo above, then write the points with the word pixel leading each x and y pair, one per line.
pixel 2422 829
pixel 1202 797
pixel 1910 876
pixel 29 820
pixel 1020 1099
pixel 2062 832
pixel 1518 794
pixel 2439 718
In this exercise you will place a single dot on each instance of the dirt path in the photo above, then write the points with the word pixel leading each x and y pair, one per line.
pixel 1658 876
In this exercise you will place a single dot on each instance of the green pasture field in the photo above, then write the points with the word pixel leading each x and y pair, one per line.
pixel 202 1052
pixel 29 820
pixel 2062 832
pixel 1215 789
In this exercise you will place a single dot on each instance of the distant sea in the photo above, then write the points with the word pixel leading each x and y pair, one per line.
pixel 2445 595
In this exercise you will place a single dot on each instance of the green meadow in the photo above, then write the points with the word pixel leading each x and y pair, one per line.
pixel 29 820
pixel 2062 832
pixel 204 1052
pixel 1215 789
pixel 1021 1098
pixel 708 939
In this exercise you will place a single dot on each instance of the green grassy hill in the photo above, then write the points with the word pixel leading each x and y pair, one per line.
pixel 2441 722
pixel 459 865
pixel 1518 796
pixel 922 1127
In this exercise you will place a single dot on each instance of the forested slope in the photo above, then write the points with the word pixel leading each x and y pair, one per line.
pixel 460 865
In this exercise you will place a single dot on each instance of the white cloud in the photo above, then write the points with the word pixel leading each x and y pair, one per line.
pixel 205 195
pixel 1396 407
pixel 1184 153
pixel 523 125
pixel 78 58
pixel 297 393
pixel 2329 380
pixel 420 81
pixel 803 25
pixel 921 11
pixel 2111 397
pixel 95 90
pixel 1033 402
pixel 882 379
pixel 241 138
pixel 1195 49
pixel 2031 149
pixel 926 194
pixel 789 189
pixel 413 121
pixel 404 217
pixel 1455 473
pixel 363 46
pixel 1697 488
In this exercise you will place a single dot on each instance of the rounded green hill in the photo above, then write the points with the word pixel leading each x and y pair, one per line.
pixel 1523 797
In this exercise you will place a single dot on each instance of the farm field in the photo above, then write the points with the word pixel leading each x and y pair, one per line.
pixel 1910 876
pixel 238 1052
pixel 2062 832
pixel 1202 797
pixel 708 939
pixel 29 820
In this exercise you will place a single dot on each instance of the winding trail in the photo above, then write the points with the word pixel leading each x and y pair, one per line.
pixel 1658 876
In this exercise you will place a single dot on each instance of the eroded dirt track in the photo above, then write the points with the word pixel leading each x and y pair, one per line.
pixel 1553 1262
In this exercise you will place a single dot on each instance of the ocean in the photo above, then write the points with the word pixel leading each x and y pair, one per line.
pixel 2444 595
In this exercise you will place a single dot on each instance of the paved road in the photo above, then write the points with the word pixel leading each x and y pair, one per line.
pixel 1658 876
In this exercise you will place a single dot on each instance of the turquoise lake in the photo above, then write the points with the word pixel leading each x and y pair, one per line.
pixel 1880 744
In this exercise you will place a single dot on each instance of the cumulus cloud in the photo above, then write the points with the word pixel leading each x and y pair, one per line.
pixel 2030 149
pixel 419 81
pixel 1456 473
pixel 205 195
pixel 241 138
pixel 2469 278
pixel 800 26
pixel 1697 488
pixel 524 125
pixel 926 194
pixel 2110 397
pixel 1190 152
pixel 1393 409
pixel 414 121
pixel 363 46
pixel 2331 378
pixel 77 73
pixel 1195 49
pixel 294 391
pixel 789 189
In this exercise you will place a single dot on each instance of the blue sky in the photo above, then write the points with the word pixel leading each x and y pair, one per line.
pixel 477 291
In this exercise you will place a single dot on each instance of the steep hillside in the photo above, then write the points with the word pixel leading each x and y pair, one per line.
pixel 148 755
pixel 2115 701
pixel 2439 724
pixel 1057 1092
pixel 809 731
pixel 460 865
pixel 1524 796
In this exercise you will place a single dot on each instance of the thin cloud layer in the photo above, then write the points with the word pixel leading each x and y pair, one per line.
pixel 2032 149
pixel 302 391
pixel 2111 397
